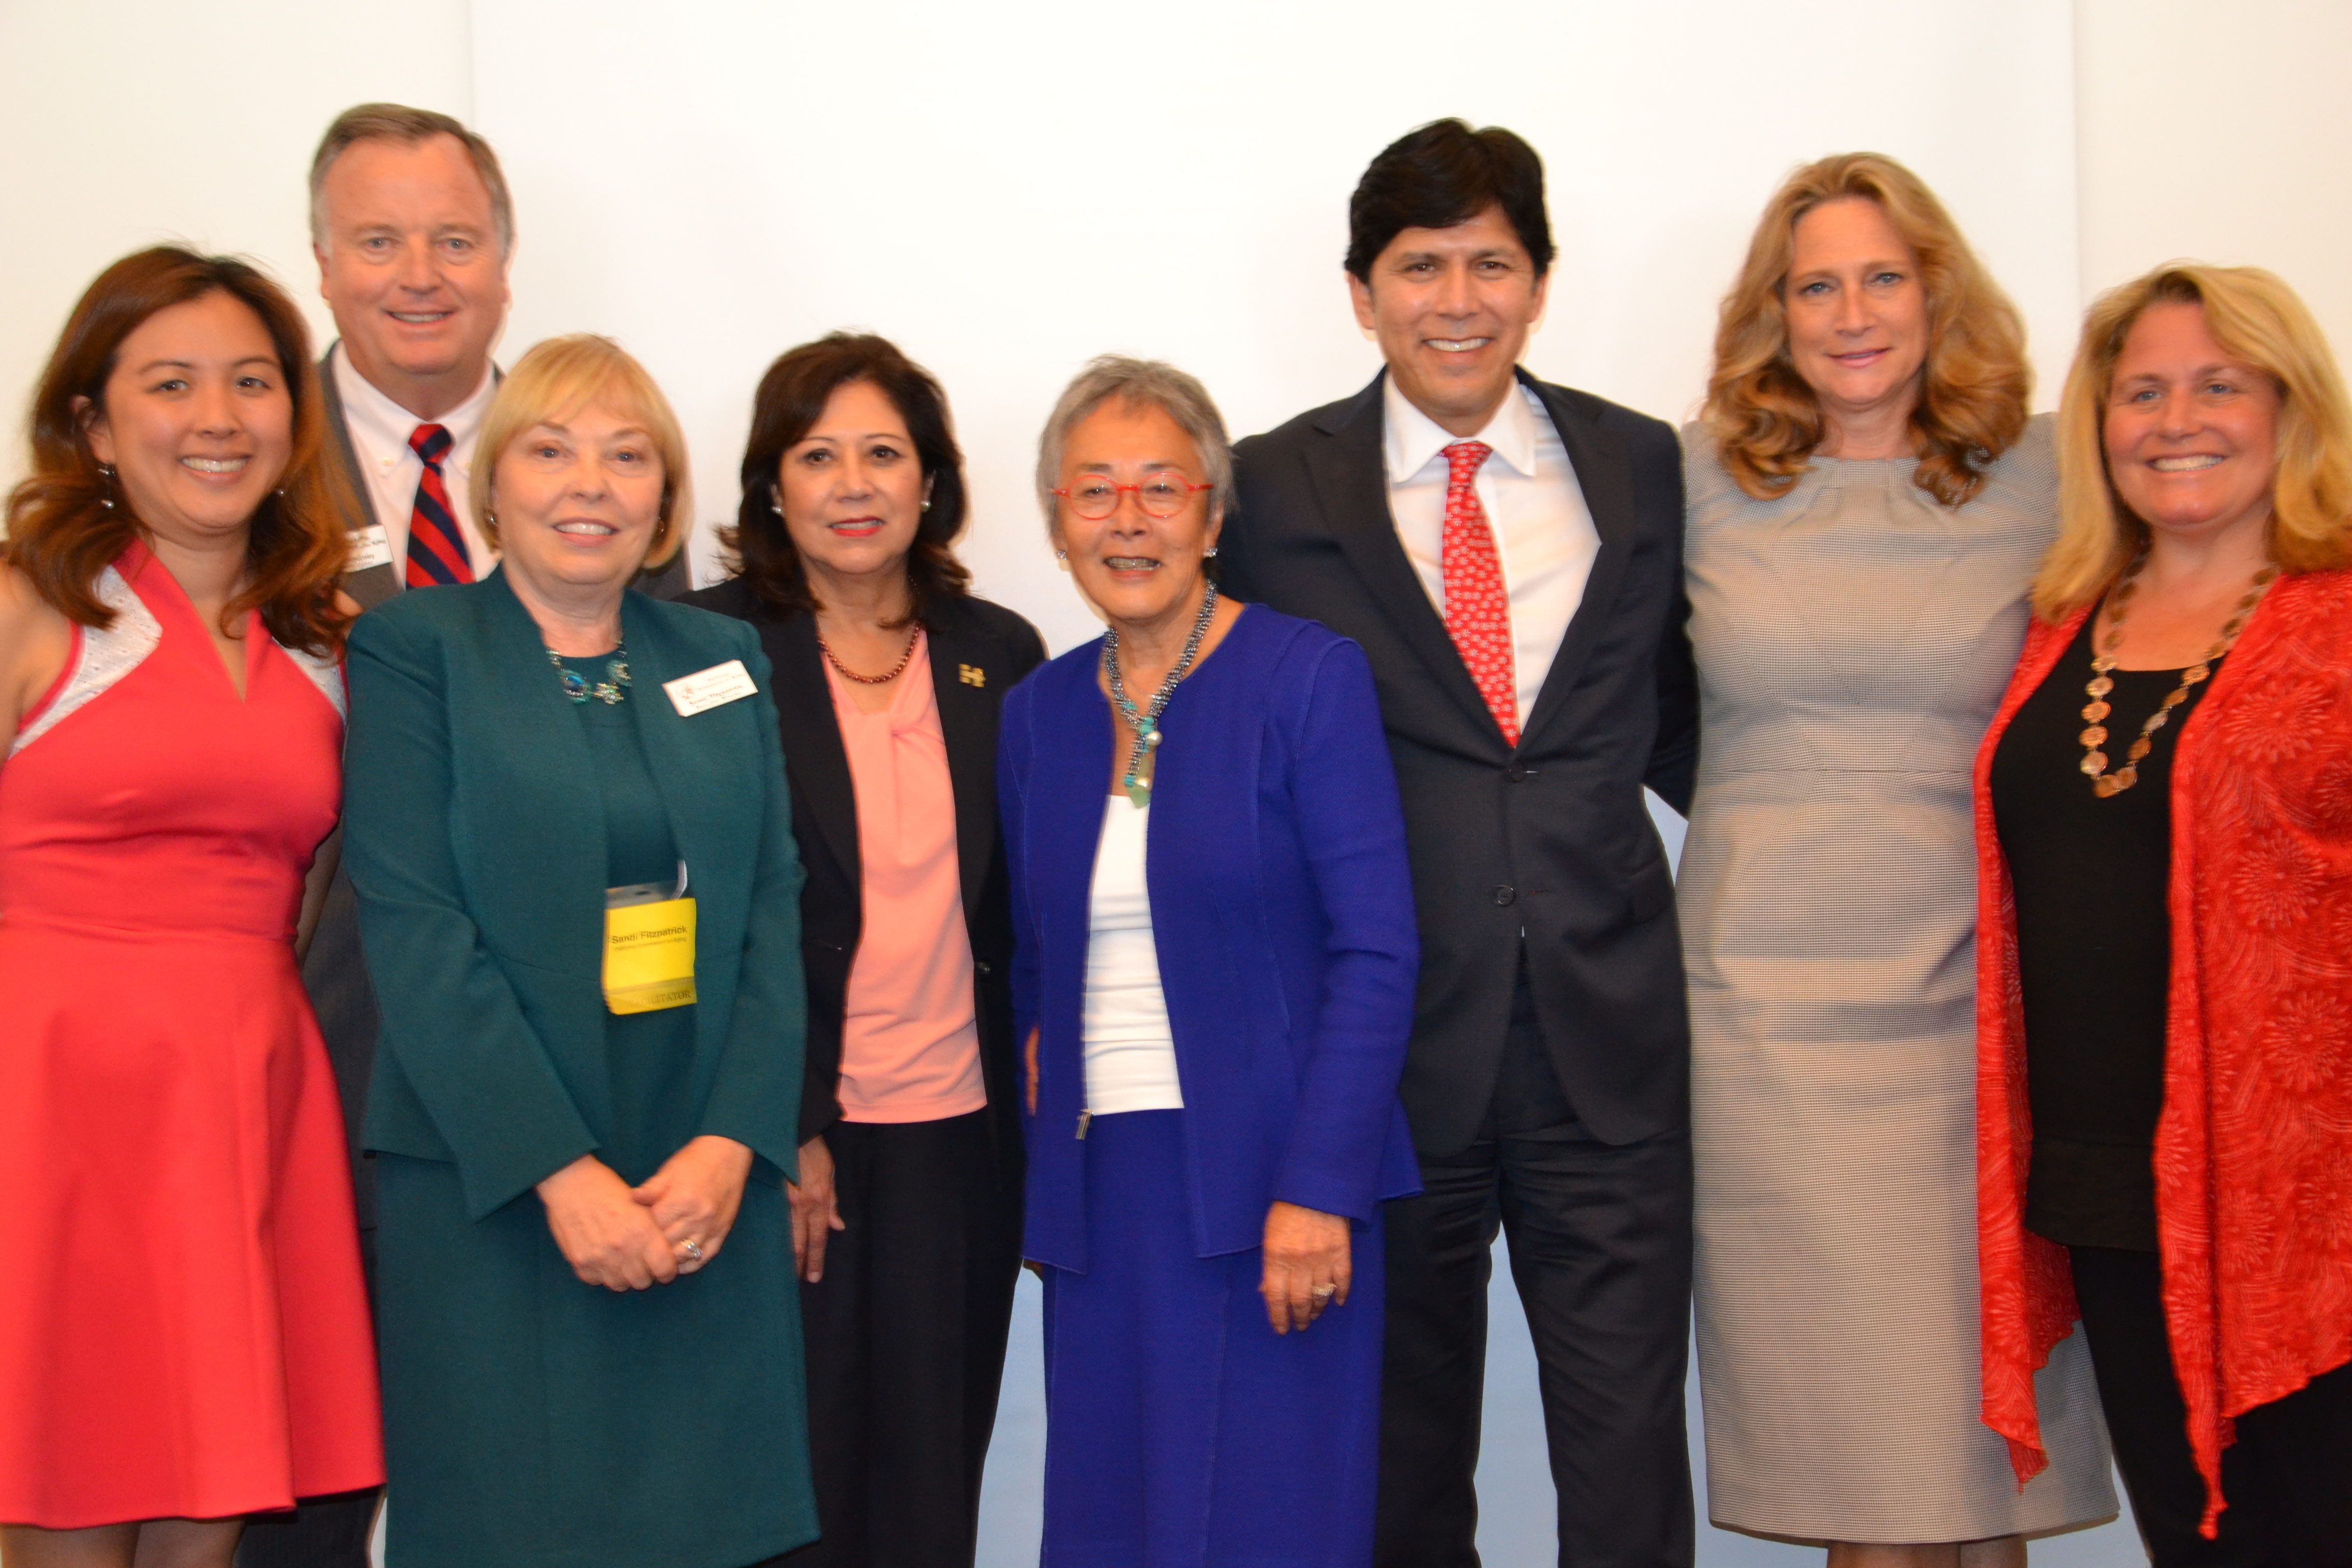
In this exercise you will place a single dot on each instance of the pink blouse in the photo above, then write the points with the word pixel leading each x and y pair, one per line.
pixel 910 1044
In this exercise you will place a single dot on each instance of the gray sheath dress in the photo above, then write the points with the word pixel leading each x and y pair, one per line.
pixel 1853 639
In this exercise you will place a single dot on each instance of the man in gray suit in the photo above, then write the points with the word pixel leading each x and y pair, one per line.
pixel 413 231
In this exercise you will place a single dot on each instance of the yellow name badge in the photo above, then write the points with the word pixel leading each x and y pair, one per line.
pixel 649 956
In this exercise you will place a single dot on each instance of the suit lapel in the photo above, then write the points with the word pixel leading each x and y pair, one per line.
pixel 1607 481
pixel 811 733
pixel 1351 480
pixel 524 708
pixel 964 668
pixel 692 765
pixel 379 582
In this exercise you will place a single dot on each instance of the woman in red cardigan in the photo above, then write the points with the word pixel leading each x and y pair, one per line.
pixel 2164 819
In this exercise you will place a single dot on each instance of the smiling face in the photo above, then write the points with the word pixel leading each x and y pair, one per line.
pixel 578 501
pixel 2190 431
pixel 412 270
pixel 851 489
pixel 1140 570
pixel 1452 309
pixel 1857 314
pixel 198 420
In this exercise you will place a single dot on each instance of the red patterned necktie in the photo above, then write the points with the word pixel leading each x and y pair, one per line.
pixel 437 546
pixel 1477 611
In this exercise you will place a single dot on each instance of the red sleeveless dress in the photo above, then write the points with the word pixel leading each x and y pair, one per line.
pixel 184 1329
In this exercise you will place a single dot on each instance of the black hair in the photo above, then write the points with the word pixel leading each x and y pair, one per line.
pixel 1442 174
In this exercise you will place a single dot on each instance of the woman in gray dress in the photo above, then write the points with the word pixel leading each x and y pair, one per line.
pixel 1868 499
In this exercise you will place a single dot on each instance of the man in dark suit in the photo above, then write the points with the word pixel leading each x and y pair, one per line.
pixel 413 231
pixel 1509 555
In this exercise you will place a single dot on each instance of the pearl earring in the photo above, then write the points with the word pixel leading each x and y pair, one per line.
pixel 776 500
pixel 927 503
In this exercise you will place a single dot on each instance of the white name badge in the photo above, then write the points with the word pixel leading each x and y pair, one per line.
pixel 712 688
pixel 370 546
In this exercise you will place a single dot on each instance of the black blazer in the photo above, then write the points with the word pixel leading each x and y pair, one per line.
pixel 1551 838
pixel 334 971
pixel 978 652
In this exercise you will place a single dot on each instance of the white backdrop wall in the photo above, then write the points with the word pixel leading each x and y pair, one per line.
pixel 1007 190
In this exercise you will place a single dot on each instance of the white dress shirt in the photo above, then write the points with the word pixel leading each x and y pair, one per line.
pixel 1130 1054
pixel 1543 531
pixel 380 429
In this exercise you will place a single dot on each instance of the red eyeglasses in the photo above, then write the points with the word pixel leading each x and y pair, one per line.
pixel 1162 493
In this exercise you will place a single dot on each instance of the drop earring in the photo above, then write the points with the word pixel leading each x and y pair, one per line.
pixel 775 501
pixel 107 472
pixel 1210 553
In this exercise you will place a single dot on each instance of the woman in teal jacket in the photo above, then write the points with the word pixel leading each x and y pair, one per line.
pixel 579 894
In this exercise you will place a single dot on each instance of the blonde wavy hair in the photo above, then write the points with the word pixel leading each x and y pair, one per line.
pixel 2257 318
pixel 1766 420
pixel 557 379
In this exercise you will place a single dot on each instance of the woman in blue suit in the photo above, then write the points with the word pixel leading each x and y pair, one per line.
pixel 580 902
pixel 1214 978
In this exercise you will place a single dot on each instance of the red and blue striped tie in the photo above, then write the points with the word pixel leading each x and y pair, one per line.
pixel 437 546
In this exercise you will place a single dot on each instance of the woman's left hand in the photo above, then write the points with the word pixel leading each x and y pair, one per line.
pixel 694 1197
pixel 1307 1265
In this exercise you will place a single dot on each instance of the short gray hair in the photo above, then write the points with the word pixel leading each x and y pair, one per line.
pixel 410 128
pixel 1154 383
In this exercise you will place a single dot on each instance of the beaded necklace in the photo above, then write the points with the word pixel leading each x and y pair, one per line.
pixel 2094 713
pixel 1145 724
pixel 612 688
pixel 897 670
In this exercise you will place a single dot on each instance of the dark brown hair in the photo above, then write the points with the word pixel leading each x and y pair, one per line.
pixel 791 399
pixel 1442 174
pixel 61 530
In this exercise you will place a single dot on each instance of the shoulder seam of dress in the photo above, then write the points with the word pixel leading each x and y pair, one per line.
pixel 326 674
pixel 104 655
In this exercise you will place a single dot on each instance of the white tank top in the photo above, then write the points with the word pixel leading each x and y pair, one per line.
pixel 1131 1055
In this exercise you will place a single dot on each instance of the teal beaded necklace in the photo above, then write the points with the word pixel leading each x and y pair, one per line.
pixel 1146 725
pixel 614 689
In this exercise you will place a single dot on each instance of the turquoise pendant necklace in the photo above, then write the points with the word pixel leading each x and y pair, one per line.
pixel 1146 725
pixel 610 691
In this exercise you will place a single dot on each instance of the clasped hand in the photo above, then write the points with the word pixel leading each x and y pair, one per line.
pixel 629 1239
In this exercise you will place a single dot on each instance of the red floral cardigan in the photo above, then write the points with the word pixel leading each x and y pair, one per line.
pixel 2253 1150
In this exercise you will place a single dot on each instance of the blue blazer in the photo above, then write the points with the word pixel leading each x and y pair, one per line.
pixel 1281 911
pixel 481 886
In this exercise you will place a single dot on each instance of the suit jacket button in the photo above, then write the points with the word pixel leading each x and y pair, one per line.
pixel 1516 772
pixel 1504 896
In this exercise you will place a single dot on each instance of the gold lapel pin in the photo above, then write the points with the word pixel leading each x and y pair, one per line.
pixel 971 675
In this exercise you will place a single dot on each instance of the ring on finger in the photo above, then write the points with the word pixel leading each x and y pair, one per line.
pixel 1324 1292
pixel 690 1249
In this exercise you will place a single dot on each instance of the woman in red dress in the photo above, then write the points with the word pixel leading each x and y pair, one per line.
pixel 184 1329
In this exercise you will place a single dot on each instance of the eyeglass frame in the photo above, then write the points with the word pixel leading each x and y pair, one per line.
pixel 1118 490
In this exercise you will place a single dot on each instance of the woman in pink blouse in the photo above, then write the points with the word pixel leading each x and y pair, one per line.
pixel 906 1215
